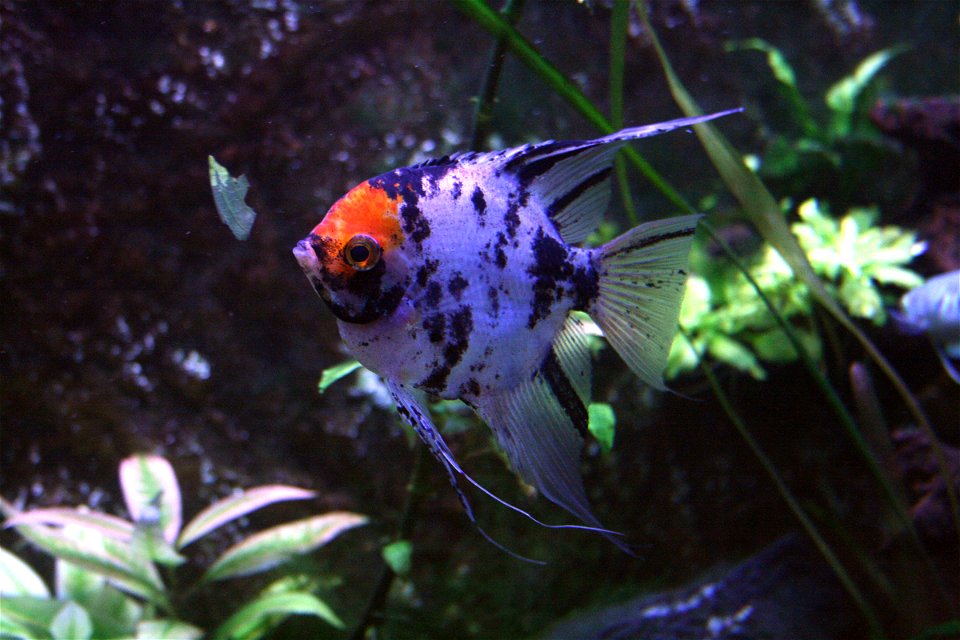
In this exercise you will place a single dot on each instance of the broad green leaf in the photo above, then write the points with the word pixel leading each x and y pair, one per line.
pixel 18 579
pixel 28 616
pixel 235 506
pixel 152 494
pixel 107 525
pixel 248 620
pixel 275 545
pixel 115 560
pixel 165 629
pixel 337 371
pixel 602 424
pixel 112 612
pixel 398 556
pixel 228 196
pixel 72 622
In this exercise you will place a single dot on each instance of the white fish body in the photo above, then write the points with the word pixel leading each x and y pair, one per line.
pixel 457 277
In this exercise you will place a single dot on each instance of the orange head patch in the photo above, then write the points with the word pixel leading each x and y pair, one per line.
pixel 363 211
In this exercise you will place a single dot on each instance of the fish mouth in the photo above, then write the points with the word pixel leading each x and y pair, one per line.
pixel 305 256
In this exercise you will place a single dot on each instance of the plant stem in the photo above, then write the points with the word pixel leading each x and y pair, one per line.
pixel 373 615
pixel 484 115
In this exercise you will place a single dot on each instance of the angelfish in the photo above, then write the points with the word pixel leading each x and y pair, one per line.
pixel 457 277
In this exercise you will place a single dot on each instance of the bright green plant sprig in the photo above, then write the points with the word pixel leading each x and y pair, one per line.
pixel 725 318
pixel 108 581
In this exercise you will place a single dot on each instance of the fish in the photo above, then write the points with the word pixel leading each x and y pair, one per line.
pixel 462 277
pixel 933 308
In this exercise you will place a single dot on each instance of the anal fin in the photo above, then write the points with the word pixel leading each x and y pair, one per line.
pixel 537 427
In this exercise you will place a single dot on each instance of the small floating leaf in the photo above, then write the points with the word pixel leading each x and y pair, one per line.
pixel 228 195
pixel 602 424
pixel 337 371
pixel 398 555
pixel 233 507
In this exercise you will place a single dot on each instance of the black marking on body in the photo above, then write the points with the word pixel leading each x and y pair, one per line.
pixel 555 276
pixel 456 285
pixel 428 268
pixel 434 295
pixel 459 326
pixel 563 389
pixel 479 204
pixel 511 219
pixel 414 223
pixel 470 388
pixel 494 296
pixel 435 324
pixel 564 201
pixel 457 190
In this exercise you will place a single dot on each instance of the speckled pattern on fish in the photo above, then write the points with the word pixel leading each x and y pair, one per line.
pixel 458 277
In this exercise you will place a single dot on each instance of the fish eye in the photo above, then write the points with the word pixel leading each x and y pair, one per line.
pixel 362 252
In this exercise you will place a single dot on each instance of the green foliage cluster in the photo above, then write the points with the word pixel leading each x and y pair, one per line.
pixel 805 153
pixel 108 581
pixel 724 316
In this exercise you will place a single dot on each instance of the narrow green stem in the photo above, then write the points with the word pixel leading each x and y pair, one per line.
pixel 484 114
pixel 618 45
pixel 373 615
pixel 818 540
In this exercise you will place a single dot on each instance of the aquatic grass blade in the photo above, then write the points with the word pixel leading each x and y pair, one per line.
pixel 619 19
pixel 763 212
pixel 236 506
pixel 17 578
pixel 167 630
pixel 808 525
pixel 228 196
pixel 105 524
pixel 483 15
pixel 72 622
pixel 264 610
pixel 152 494
pixel 273 546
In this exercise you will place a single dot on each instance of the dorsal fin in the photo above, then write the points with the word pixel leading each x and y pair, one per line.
pixel 572 178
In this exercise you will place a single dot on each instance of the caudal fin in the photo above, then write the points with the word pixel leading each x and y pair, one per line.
pixel 642 277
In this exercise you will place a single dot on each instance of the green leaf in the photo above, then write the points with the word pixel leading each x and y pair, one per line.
pixel 28 616
pixel 152 494
pixel 72 622
pixel 18 579
pixel 278 544
pixel 112 612
pixel 235 506
pixel 228 196
pixel 398 556
pixel 166 629
pixel 337 371
pixel 602 424
pixel 261 611
pixel 842 96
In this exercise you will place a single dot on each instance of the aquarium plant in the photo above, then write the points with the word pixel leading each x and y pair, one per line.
pixel 725 318
pixel 114 577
